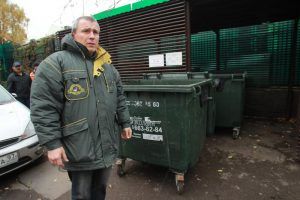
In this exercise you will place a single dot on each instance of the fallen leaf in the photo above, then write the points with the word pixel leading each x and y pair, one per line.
pixel 237 187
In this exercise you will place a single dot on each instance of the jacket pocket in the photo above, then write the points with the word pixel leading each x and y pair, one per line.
pixel 76 86
pixel 78 143
pixel 112 86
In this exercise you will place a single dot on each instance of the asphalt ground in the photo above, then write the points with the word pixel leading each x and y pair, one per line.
pixel 261 164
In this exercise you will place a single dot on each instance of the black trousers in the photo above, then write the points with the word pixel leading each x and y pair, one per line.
pixel 25 101
pixel 89 185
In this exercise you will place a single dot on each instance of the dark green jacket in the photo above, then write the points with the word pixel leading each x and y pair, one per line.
pixel 72 108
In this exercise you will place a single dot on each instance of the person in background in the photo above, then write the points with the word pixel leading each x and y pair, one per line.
pixel 32 74
pixel 77 107
pixel 19 82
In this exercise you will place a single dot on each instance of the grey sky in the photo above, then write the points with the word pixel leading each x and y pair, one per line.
pixel 48 16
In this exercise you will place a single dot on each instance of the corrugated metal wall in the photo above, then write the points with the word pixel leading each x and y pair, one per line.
pixel 131 38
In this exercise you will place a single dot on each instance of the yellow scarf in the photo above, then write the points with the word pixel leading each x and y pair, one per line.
pixel 102 58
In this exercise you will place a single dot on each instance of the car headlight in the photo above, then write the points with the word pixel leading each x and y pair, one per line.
pixel 29 131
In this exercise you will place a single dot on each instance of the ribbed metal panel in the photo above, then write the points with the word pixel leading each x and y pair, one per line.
pixel 61 34
pixel 130 39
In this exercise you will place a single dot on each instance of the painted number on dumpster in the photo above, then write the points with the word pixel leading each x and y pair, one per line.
pixel 146 128
pixel 138 103
pixel 156 104
pixel 152 137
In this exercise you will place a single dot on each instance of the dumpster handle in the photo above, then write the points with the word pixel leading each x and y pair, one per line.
pixel 210 98
pixel 219 83
pixel 189 75
pixel 148 75
pixel 197 90
pixel 238 77
pixel 158 75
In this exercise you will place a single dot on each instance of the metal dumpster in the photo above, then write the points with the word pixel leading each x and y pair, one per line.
pixel 211 111
pixel 226 108
pixel 168 120
pixel 230 97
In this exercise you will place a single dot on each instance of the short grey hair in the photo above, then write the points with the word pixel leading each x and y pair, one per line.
pixel 76 22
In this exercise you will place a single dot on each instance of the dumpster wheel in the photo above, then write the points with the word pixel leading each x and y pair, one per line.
pixel 120 167
pixel 120 171
pixel 235 133
pixel 179 180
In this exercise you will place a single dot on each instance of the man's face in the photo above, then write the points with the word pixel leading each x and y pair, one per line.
pixel 17 68
pixel 87 33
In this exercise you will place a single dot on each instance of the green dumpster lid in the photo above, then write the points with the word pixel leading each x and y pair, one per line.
pixel 182 86
pixel 176 75
pixel 226 72
pixel 232 75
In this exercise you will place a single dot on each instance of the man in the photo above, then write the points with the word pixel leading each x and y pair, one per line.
pixel 19 82
pixel 77 106
pixel 32 74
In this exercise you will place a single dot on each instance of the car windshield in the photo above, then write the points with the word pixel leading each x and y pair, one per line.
pixel 5 97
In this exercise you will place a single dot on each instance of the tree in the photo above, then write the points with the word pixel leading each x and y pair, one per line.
pixel 12 23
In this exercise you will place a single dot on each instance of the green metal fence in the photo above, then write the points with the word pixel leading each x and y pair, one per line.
pixel 203 51
pixel 264 51
pixel 297 81
pixel 6 59
pixel 281 51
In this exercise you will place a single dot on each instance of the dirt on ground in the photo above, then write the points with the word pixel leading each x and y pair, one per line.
pixel 261 164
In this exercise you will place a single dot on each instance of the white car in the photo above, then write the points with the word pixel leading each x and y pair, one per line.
pixel 19 144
